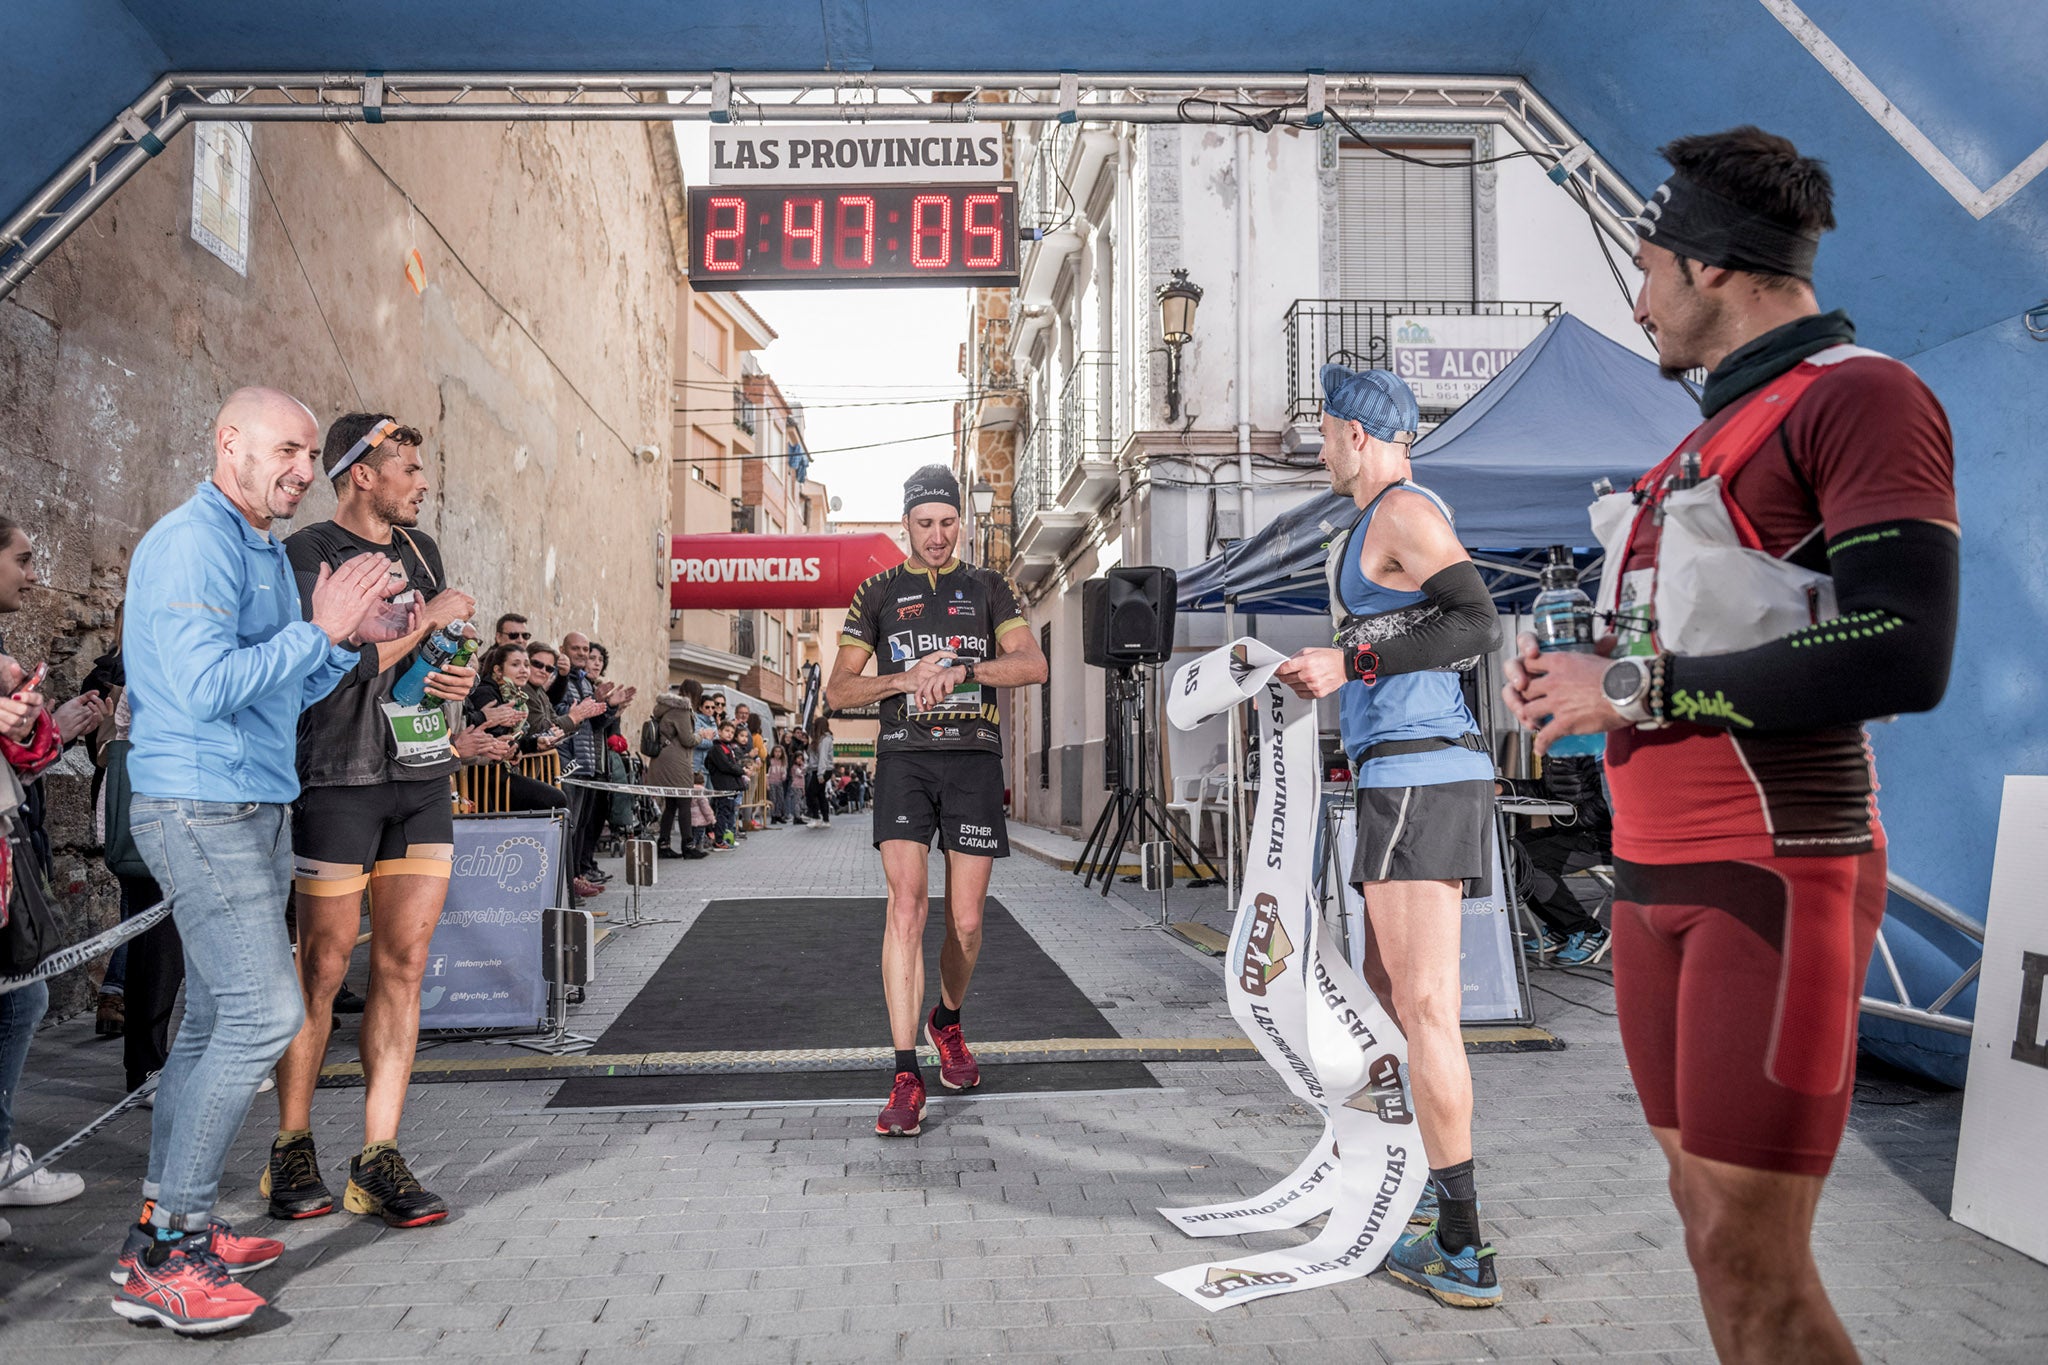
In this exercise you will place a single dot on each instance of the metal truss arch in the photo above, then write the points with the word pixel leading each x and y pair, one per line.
pixel 1270 99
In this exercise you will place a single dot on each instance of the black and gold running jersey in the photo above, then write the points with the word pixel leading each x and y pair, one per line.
pixel 905 613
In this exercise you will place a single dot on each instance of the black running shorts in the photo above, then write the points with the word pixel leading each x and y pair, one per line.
pixel 1441 832
pixel 958 797
pixel 342 836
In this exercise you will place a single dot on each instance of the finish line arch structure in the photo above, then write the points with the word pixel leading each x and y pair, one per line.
pixel 1929 115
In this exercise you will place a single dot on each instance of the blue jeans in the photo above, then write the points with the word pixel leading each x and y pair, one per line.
pixel 226 868
pixel 20 1012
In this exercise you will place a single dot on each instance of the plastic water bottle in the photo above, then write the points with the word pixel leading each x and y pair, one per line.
pixel 1564 625
pixel 451 644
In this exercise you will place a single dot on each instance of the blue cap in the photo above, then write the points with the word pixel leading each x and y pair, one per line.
pixel 1378 400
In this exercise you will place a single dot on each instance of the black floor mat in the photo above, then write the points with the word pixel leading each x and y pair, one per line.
pixel 761 975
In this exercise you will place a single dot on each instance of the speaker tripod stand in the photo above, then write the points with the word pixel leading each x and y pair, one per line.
pixel 1134 809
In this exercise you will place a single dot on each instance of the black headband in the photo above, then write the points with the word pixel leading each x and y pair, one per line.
pixel 1689 220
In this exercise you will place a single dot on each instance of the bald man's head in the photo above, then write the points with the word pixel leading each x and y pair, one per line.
pixel 576 648
pixel 264 448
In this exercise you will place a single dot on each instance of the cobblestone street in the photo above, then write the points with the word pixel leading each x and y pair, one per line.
pixel 1020 1227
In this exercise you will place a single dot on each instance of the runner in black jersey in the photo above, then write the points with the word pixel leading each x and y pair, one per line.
pixel 945 636
pixel 373 815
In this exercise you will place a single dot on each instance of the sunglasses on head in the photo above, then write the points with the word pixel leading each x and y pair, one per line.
pixel 519 635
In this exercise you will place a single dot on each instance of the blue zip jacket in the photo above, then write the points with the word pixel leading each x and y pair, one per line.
pixel 219 660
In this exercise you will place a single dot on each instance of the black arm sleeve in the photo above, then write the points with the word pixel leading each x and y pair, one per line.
pixel 1456 623
pixel 1888 652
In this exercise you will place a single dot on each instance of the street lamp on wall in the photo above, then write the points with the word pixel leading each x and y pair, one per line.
pixel 1177 302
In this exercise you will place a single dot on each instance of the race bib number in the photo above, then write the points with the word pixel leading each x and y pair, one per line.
pixel 419 734
pixel 965 699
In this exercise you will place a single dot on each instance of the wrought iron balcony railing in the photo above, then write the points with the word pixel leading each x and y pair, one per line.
pixel 1359 333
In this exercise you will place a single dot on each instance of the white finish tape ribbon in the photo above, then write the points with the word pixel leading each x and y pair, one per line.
pixel 1310 1016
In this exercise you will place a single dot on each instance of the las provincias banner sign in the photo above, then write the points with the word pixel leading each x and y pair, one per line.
pixel 736 571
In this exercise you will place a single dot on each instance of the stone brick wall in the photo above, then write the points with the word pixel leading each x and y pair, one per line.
pixel 536 359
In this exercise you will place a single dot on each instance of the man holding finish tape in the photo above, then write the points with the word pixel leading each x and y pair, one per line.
pixel 1413 609
pixel 374 814
pixel 944 635
pixel 1749 860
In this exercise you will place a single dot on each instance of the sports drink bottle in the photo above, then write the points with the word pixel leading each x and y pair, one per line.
pixel 453 643
pixel 1564 625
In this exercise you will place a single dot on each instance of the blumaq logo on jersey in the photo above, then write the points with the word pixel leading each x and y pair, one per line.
pixel 1266 948
pixel 1384 1094
pixel 1222 1281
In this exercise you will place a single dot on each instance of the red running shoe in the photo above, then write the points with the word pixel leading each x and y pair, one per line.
pixel 957 1070
pixel 189 1291
pixel 903 1115
pixel 241 1255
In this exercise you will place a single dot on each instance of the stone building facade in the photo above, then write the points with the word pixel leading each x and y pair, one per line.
pixel 507 289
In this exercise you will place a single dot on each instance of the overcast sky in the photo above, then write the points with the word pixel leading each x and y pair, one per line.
pixel 869 366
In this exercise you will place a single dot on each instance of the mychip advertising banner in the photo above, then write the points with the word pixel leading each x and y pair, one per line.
pixel 483 966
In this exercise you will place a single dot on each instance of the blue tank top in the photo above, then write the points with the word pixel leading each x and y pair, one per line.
pixel 1407 705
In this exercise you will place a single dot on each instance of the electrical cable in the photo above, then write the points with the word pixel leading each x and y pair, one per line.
pixel 1606 1014
pixel 1386 151
pixel 242 131
pixel 477 280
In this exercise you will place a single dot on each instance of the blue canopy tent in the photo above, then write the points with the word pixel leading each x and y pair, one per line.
pixel 1516 463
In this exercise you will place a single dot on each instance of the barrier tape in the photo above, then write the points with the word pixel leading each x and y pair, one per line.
pixel 133 1098
pixel 78 954
pixel 636 790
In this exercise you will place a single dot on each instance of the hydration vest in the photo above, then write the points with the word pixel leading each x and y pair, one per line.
pixel 1711 587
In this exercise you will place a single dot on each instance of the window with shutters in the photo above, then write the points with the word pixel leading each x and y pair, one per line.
pixel 1404 231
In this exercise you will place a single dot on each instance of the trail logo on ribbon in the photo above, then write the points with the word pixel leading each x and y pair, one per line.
pixel 1384 1094
pixel 1266 948
pixel 1223 1281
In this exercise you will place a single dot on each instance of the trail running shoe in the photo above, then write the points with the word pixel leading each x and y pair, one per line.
pixel 186 1289
pixel 292 1183
pixel 903 1115
pixel 1543 942
pixel 957 1070
pixel 1583 949
pixel 241 1255
pixel 386 1187
pixel 1463 1280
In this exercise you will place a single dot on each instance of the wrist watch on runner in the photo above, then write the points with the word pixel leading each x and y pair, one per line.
pixel 967 670
pixel 1626 685
pixel 1361 664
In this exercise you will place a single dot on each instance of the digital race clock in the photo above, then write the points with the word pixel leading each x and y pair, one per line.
pixel 794 237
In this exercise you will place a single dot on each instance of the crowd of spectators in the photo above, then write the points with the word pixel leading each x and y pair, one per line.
pixel 532 700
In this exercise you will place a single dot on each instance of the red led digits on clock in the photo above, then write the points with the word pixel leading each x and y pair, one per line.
pixel 735 236
pixel 987 235
pixel 803 234
pixel 854 207
pixel 924 230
